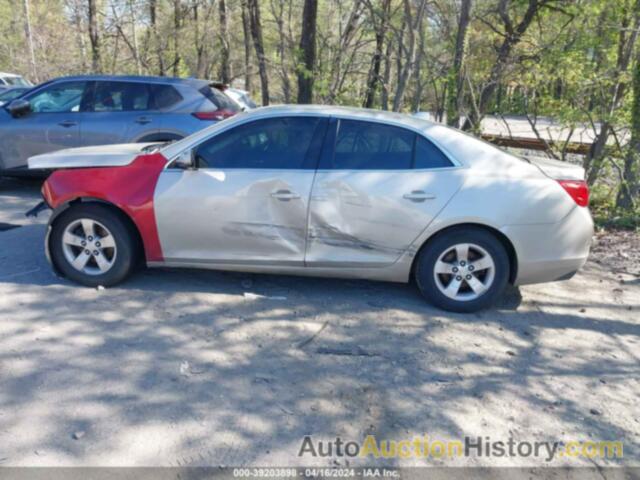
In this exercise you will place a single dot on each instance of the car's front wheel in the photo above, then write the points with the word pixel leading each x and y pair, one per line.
pixel 92 245
pixel 463 270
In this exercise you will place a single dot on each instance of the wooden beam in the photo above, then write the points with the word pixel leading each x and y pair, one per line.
pixel 534 143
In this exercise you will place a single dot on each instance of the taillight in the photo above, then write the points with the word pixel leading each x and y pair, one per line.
pixel 578 190
pixel 216 115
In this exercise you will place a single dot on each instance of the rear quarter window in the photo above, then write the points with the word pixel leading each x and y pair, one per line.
pixel 165 96
pixel 427 155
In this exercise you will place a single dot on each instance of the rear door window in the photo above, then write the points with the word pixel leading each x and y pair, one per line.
pixel 120 97
pixel 362 145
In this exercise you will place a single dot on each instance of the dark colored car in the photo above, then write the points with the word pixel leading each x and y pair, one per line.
pixel 99 110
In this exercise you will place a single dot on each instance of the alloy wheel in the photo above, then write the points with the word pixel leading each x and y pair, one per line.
pixel 89 246
pixel 464 272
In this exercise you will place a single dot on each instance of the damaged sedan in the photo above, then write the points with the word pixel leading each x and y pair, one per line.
pixel 326 191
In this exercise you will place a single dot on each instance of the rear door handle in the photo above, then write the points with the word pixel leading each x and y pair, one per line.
pixel 143 120
pixel 418 196
pixel 68 123
pixel 285 195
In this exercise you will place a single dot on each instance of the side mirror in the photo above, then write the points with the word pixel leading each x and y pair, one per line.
pixel 19 107
pixel 186 160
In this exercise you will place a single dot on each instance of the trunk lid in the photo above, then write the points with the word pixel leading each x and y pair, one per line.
pixel 557 169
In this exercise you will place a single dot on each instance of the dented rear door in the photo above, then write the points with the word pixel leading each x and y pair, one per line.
pixel 370 199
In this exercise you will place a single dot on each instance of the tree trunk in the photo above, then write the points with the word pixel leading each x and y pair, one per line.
pixel 94 37
pixel 308 52
pixel 246 29
pixel 284 45
pixel 134 36
pixel 256 33
pixel 630 188
pixel 79 31
pixel 456 77
pixel 373 78
pixel 153 11
pixel 225 66
pixel 414 22
pixel 386 78
pixel 27 31
pixel 594 161
pixel 176 37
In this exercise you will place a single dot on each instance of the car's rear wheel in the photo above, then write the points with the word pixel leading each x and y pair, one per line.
pixel 93 245
pixel 463 270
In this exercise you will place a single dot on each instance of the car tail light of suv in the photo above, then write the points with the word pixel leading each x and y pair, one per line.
pixel 215 115
pixel 578 190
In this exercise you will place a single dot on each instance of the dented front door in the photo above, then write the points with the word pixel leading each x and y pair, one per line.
pixel 247 202
pixel 233 216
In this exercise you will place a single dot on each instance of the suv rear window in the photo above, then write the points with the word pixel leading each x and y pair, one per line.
pixel 219 99
pixel 165 96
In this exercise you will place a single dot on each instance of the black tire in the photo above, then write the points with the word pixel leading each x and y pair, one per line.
pixel 426 262
pixel 124 262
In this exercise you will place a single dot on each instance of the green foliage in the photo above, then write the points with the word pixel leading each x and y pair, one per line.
pixel 606 215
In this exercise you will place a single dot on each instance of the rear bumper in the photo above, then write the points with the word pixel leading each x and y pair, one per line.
pixel 549 252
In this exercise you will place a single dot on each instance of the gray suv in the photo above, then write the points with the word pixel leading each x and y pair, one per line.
pixel 97 110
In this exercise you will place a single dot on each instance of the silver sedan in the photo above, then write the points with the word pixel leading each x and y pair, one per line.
pixel 324 191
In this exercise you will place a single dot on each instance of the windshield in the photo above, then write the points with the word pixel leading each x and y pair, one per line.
pixel 11 94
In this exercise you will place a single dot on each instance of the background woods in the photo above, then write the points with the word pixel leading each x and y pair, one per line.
pixel 574 61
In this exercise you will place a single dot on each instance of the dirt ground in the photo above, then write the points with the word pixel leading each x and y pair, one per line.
pixel 206 368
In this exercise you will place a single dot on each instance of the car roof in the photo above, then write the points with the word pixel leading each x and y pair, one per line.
pixel 4 74
pixel 135 78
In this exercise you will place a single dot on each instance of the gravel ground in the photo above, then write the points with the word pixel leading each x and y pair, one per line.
pixel 618 251
pixel 206 368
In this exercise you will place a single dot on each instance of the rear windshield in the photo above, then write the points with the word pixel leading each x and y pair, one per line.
pixel 219 99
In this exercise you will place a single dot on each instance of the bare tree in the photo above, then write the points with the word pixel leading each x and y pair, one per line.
pixel 177 22
pixel 94 36
pixel 456 77
pixel 225 65
pixel 258 43
pixel 285 43
pixel 153 18
pixel 412 21
pixel 308 51
pixel 246 30
pixel 27 31
pixel 381 23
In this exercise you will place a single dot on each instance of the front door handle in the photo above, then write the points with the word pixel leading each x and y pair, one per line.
pixel 143 120
pixel 68 123
pixel 418 196
pixel 285 195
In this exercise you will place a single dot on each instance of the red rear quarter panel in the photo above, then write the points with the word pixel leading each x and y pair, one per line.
pixel 129 188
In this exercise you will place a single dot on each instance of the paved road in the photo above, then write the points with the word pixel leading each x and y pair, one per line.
pixel 207 368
